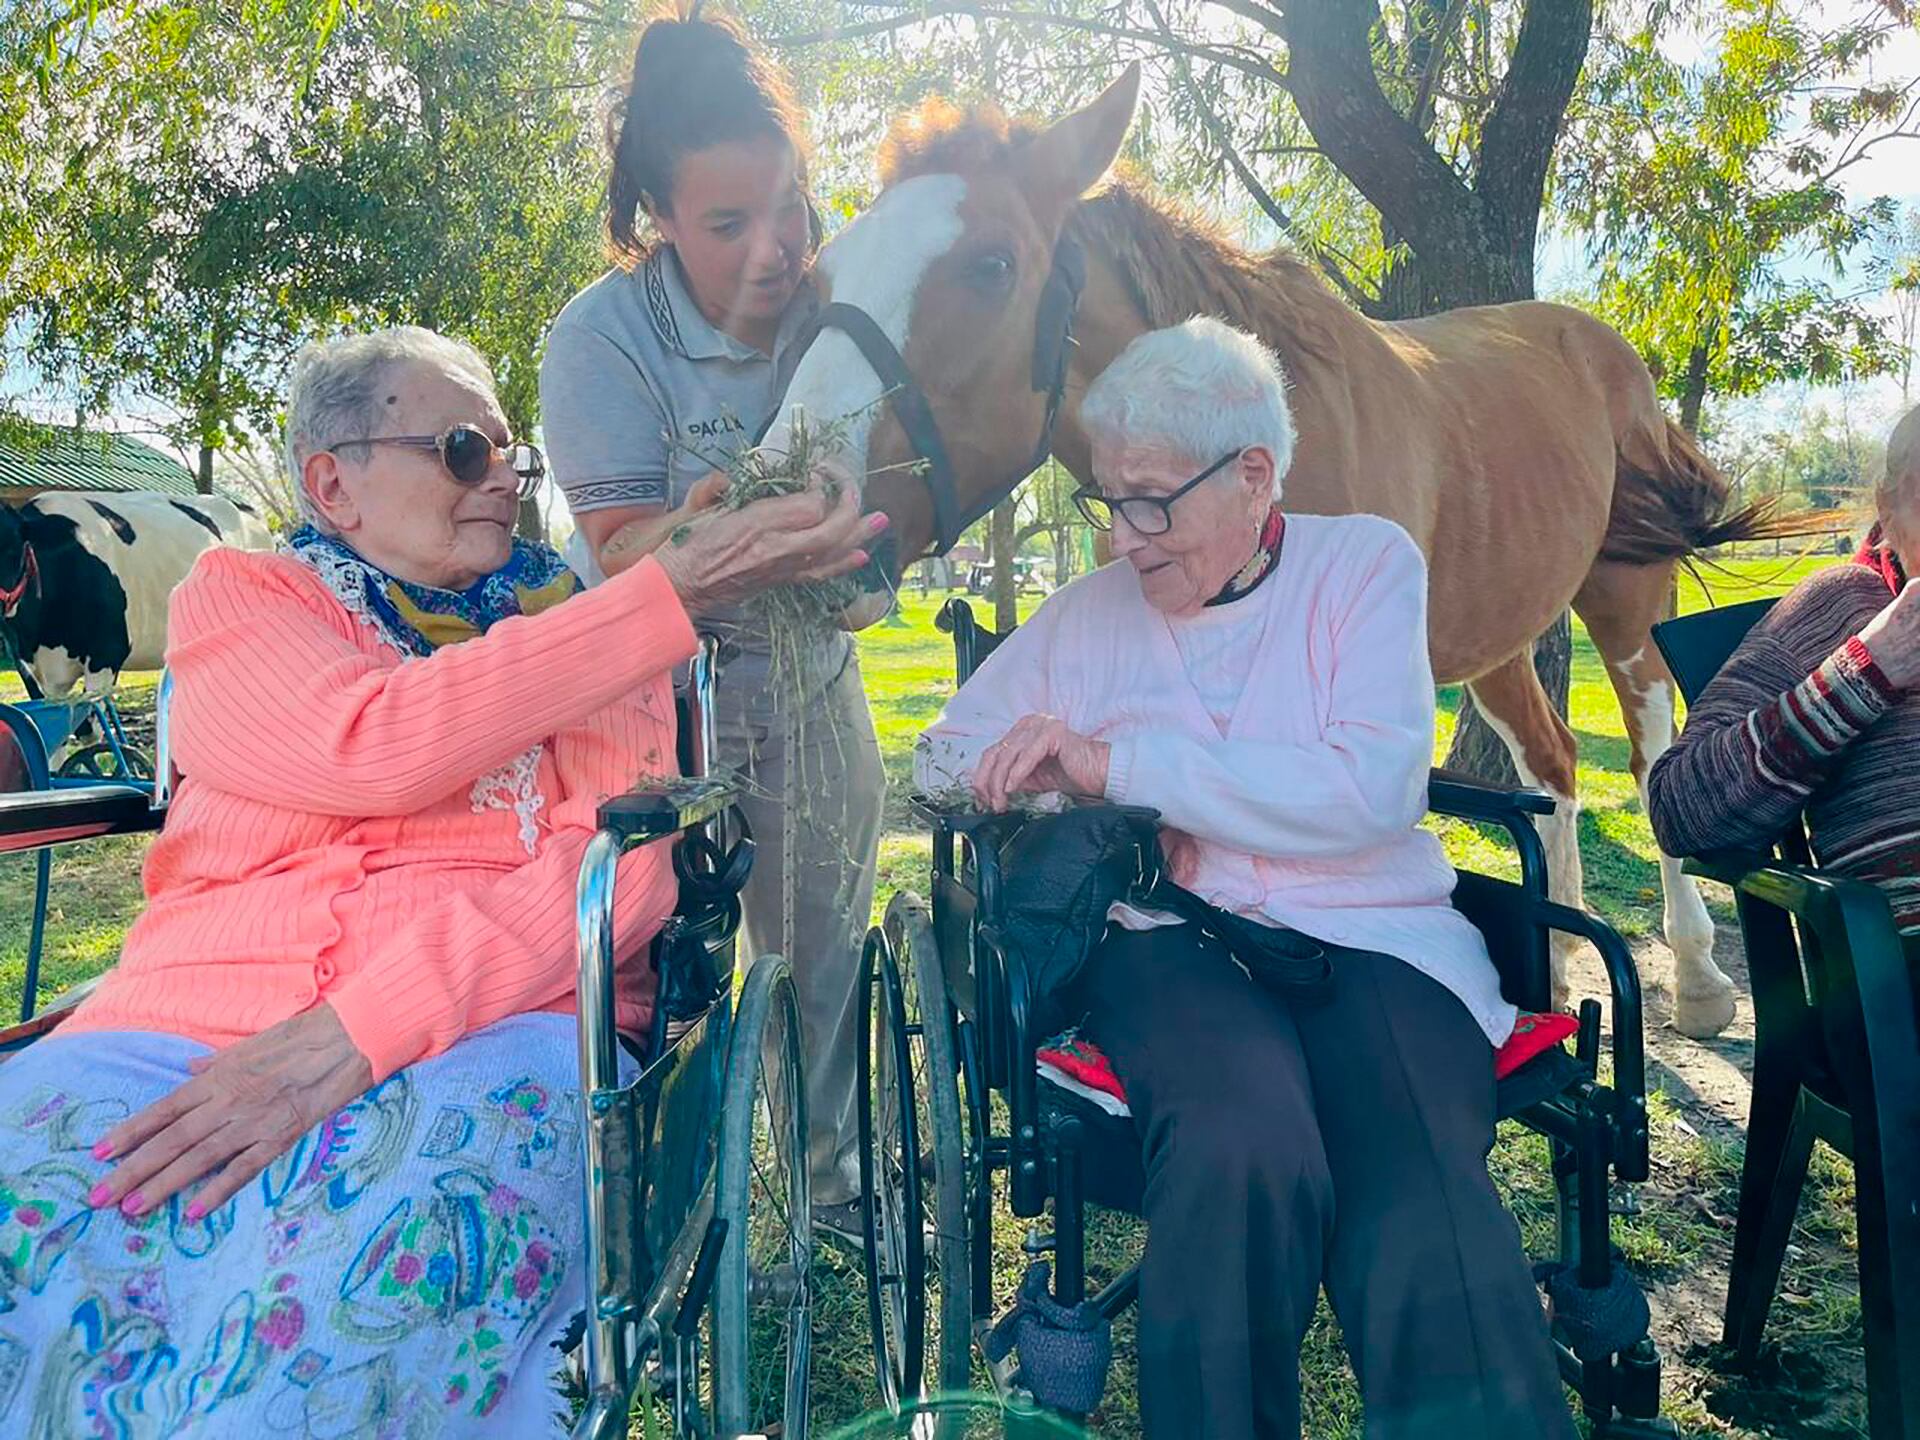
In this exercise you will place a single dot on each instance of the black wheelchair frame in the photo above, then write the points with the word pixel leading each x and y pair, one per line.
pixel 946 1012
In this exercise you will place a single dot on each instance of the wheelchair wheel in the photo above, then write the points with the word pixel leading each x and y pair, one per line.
pixel 762 1320
pixel 944 1149
pixel 891 1217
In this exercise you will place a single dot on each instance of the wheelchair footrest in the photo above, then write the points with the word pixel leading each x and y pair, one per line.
pixel 1063 1351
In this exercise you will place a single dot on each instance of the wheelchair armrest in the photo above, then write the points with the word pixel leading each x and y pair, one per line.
pixel 974 824
pixel 643 816
pixel 1457 794
pixel 31 819
pixel 1629 1038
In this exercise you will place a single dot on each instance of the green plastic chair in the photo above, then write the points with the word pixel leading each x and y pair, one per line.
pixel 1835 1058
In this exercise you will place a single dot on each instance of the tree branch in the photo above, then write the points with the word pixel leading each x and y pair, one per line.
pixel 1251 183
pixel 904 18
pixel 1419 196
pixel 1522 128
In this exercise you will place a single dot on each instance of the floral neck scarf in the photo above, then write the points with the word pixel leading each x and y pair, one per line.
pixel 1266 555
pixel 415 620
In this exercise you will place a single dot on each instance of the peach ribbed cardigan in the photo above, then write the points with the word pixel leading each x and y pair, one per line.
pixel 327 841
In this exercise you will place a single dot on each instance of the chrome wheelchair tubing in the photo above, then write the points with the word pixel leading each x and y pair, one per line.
pixel 700 677
pixel 163 742
pixel 599 1078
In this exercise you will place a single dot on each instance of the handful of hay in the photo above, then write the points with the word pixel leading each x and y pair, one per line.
pixel 797 618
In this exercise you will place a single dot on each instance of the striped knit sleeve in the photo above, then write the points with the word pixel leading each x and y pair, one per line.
pixel 275 700
pixel 1794 741
pixel 1767 732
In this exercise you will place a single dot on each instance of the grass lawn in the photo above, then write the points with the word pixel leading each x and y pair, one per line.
pixel 1680 1234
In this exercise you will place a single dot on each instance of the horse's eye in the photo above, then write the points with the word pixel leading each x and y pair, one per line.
pixel 990 271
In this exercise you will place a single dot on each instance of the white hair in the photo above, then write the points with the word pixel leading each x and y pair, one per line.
pixel 1899 487
pixel 333 397
pixel 1201 389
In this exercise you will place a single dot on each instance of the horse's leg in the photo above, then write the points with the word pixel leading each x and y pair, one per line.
pixel 1512 701
pixel 1620 604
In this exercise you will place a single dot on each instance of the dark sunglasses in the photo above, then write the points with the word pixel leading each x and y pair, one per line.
pixel 1147 514
pixel 469 454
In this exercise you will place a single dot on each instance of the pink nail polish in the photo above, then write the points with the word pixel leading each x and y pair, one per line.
pixel 877 521
pixel 98 1195
pixel 133 1204
pixel 196 1210
pixel 102 1151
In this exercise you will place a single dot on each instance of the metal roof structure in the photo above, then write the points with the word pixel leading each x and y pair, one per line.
pixel 88 460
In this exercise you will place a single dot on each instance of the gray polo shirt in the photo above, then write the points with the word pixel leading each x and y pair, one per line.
pixel 640 395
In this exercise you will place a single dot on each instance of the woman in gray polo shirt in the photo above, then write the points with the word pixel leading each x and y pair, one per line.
pixel 653 376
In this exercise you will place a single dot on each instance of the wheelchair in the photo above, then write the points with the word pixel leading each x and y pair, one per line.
pixel 950 1099
pixel 698 1242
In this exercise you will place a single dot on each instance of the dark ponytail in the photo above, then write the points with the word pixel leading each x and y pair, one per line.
pixel 697 81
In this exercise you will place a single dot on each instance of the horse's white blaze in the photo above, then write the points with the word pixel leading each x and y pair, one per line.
pixel 1560 835
pixel 876 263
pixel 1703 995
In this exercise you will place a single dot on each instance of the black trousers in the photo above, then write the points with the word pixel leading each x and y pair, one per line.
pixel 1289 1146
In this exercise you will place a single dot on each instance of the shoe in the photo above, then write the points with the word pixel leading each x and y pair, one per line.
pixel 841 1221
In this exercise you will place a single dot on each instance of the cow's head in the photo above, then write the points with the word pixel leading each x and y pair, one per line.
pixel 949 302
pixel 18 563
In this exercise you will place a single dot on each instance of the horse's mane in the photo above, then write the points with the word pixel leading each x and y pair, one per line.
pixel 1175 263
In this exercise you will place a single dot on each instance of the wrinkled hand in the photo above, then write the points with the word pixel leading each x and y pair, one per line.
pixel 241 1111
pixel 725 556
pixel 637 539
pixel 1893 637
pixel 1038 755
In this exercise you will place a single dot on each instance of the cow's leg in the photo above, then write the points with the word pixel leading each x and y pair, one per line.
pixel 1512 701
pixel 1620 604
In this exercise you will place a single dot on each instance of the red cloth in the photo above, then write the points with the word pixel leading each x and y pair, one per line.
pixel 1877 555
pixel 1080 1058
pixel 1532 1034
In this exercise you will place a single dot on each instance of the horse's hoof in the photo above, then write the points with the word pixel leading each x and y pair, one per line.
pixel 1701 1014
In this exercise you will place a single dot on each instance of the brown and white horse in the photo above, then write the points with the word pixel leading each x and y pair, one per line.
pixel 1522 446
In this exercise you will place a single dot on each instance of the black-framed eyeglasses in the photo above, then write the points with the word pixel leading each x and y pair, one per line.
pixel 469 454
pixel 1147 514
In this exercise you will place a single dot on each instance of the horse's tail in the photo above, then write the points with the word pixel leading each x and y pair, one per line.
pixel 1676 504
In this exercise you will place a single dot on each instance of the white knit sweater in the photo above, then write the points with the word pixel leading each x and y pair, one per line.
pixel 1304 805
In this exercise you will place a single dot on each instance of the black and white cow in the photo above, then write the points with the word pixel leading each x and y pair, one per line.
pixel 85 576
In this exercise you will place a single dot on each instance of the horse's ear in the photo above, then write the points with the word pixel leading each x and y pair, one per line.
pixel 1064 161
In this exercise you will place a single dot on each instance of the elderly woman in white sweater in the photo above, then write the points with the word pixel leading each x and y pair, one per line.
pixel 1261 679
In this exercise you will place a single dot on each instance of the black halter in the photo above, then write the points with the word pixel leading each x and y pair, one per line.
pixel 1052 340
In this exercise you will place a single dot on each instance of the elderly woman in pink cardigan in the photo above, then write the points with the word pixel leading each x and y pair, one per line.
pixel 1261 679
pixel 306 1161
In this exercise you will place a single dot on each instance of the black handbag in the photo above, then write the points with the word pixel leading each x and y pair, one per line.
pixel 1060 874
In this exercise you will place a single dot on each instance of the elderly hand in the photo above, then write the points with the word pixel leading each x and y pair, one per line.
pixel 725 556
pixel 1893 637
pixel 637 539
pixel 241 1111
pixel 1038 755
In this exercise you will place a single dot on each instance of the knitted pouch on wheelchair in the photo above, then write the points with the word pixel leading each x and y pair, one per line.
pixel 1064 1351
pixel 1060 874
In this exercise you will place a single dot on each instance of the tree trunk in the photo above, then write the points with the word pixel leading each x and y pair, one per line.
pixel 1476 749
pixel 1000 548
pixel 1693 388
pixel 203 477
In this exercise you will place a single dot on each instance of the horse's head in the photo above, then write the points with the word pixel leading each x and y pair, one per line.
pixel 951 298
